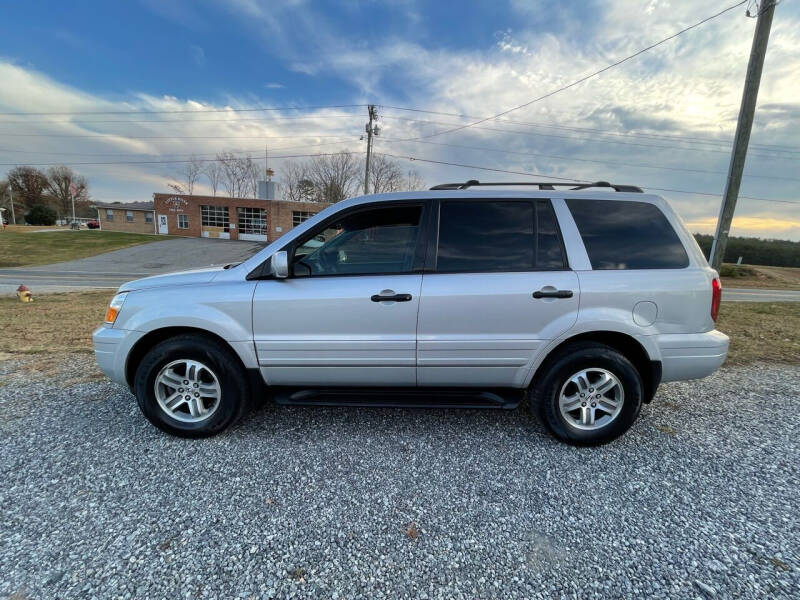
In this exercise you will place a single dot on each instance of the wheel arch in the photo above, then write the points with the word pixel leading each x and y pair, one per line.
pixel 627 345
pixel 156 336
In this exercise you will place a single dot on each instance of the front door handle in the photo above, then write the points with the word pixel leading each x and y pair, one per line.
pixel 552 294
pixel 391 298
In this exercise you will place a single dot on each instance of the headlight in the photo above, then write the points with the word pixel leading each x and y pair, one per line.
pixel 114 307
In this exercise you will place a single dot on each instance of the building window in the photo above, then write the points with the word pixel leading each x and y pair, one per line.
pixel 183 221
pixel 109 214
pixel 148 217
pixel 298 216
pixel 215 216
pixel 129 216
pixel 252 220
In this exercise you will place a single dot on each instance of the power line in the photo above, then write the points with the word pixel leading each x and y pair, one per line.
pixel 185 121
pixel 169 137
pixel 593 140
pixel 577 181
pixel 190 154
pixel 680 138
pixel 176 111
pixel 166 162
pixel 573 158
pixel 585 77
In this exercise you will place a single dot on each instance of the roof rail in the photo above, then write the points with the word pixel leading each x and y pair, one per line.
pixel 542 185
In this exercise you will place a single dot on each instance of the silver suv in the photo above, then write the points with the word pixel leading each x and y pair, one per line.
pixel 579 302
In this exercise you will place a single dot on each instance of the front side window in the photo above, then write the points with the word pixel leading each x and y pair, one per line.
pixel 498 235
pixel 129 216
pixel 183 221
pixel 627 235
pixel 376 241
pixel 148 217
pixel 109 214
pixel 215 216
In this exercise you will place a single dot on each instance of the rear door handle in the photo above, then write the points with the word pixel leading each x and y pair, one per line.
pixel 552 294
pixel 391 298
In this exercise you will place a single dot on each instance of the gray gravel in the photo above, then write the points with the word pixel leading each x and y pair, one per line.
pixel 699 500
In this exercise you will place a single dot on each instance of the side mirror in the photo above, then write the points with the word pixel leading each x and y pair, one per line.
pixel 279 265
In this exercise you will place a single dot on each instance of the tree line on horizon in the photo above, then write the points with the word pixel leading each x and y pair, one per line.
pixel 40 197
pixel 755 251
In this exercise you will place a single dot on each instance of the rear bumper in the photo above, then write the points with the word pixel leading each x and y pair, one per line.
pixel 111 348
pixel 691 356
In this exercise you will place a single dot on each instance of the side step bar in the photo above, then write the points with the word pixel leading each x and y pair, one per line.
pixel 399 397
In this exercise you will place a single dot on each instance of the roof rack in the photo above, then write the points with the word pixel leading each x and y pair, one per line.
pixel 542 185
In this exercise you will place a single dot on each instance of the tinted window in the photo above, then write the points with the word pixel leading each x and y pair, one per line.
pixel 627 235
pixel 486 236
pixel 549 254
pixel 373 241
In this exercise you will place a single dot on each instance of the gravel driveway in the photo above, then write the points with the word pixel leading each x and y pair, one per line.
pixel 700 499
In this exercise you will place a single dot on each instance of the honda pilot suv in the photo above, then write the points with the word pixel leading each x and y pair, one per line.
pixel 578 302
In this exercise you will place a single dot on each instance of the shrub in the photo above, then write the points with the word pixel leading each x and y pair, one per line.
pixel 40 215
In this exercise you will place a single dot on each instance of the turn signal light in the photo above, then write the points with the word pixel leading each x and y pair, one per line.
pixel 114 307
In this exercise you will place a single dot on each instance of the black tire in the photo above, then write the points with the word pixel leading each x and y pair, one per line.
pixel 555 373
pixel 234 397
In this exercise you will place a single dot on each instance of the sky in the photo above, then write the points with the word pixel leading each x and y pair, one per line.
pixel 195 69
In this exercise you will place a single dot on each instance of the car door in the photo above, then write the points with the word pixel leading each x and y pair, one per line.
pixel 497 287
pixel 347 314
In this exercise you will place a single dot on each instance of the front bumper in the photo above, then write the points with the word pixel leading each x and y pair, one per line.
pixel 111 349
pixel 692 356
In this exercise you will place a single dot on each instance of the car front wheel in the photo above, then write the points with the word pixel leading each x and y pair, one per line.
pixel 191 386
pixel 588 394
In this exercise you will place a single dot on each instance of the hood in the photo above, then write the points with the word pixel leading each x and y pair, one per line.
pixel 170 279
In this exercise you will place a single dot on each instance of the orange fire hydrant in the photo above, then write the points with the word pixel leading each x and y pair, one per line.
pixel 24 294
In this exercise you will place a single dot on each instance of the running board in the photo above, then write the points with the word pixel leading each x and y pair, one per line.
pixel 399 397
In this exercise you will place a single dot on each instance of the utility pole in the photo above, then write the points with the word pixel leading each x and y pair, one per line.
pixel 744 125
pixel 11 196
pixel 371 130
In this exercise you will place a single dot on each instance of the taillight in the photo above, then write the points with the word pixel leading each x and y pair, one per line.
pixel 716 297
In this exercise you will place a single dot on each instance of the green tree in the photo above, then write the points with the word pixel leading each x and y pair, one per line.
pixel 40 214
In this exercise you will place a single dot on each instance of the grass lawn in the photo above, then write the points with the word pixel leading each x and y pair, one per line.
pixel 63 323
pixel 20 248
pixel 52 323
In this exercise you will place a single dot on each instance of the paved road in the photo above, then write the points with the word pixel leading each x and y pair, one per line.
pixel 112 269
pixel 760 295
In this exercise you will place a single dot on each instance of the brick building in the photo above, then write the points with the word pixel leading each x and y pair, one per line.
pixel 229 218
pixel 133 217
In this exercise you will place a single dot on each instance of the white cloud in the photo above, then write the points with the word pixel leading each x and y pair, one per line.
pixel 690 87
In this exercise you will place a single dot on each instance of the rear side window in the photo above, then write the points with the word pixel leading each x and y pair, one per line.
pixel 497 235
pixel 627 235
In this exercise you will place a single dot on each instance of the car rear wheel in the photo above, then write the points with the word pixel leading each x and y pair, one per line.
pixel 191 386
pixel 588 394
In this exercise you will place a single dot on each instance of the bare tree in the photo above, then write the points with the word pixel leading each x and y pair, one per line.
pixel 213 171
pixel 188 174
pixel 414 181
pixel 253 175
pixel 385 175
pixel 59 184
pixel 296 179
pixel 239 175
pixel 335 176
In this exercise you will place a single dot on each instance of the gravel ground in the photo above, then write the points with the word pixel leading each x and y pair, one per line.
pixel 700 499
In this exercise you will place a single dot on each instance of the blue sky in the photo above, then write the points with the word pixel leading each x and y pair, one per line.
pixel 630 124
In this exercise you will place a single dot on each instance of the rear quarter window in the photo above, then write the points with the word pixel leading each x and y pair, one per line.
pixel 627 235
